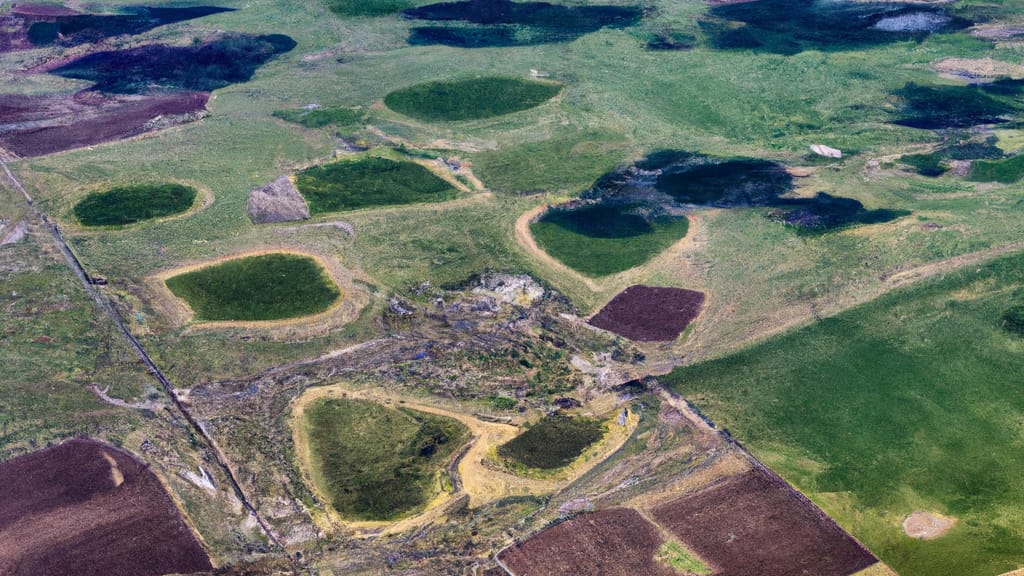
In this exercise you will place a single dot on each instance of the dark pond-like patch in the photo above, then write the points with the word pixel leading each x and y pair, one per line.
pixel 70 30
pixel 206 67
pixel 492 23
pixel 687 178
pixel 941 107
pixel 650 313
pixel 792 26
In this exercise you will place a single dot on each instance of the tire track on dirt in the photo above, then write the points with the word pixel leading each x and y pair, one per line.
pixel 108 309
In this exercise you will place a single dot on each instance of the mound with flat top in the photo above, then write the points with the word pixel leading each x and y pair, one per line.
pixel 473 99
pixel 257 288
pixel 90 509
pixel 123 205
pixel 373 462
pixel 369 182
pixel 553 442
pixel 650 314
pixel 603 239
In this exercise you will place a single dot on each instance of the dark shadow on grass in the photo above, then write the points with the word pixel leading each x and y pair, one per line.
pixel 500 23
pixel 792 26
pixel 78 29
pixel 205 67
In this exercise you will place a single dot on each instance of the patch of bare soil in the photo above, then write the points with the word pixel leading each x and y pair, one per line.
pixel 927 525
pixel 617 541
pixel 276 202
pixel 650 314
pixel 36 126
pixel 974 68
pixel 89 509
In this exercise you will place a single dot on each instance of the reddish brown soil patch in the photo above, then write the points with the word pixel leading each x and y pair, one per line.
pixel 86 508
pixel 649 314
pixel 34 126
pixel 613 542
pixel 755 523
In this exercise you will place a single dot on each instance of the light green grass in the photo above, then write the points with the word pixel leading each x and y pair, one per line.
pixel 674 555
pixel 320 117
pixel 911 402
pixel 267 287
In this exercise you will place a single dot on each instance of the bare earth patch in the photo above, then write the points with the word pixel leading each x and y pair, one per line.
pixel 650 314
pixel 977 68
pixel 278 201
pixel 927 525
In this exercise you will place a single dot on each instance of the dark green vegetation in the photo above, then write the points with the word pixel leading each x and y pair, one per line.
pixel 736 183
pixel 129 204
pixel 268 287
pixel 79 29
pixel 602 239
pixel 470 99
pixel 553 442
pixel 366 7
pixel 496 23
pixel 1013 320
pixel 792 26
pixel 375 462
pixel 925 164
pixel 960 146
pixel 1006 171
pixel 911 402
pixel 320 117
pixel 369 182
pixel 205 67
pixel 936 107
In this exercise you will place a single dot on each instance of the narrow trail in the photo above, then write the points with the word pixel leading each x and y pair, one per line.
pixel 105 306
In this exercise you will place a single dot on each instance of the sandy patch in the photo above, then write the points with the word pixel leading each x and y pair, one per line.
pixel 927 525
pixel 977 68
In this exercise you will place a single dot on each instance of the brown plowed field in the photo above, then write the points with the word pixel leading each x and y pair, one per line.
pixel 650 314
pixel 44 125
pixel 613 542
pixel 88 509
pixel 755 524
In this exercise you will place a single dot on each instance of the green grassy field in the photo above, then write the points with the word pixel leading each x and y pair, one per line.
pixel 375 462
pixel 266 287
pixel 912 402
pixel 552 442
pixel 1005 171
pixel 369 182
pixel 600 240
pixel 123 205
pixel 471 99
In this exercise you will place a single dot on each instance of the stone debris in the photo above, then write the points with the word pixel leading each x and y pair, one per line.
pixel 278 201
pixel 826 151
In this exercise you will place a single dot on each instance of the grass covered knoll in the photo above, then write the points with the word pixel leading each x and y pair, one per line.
pixel 366 7
pixel 471 99
pixel 1005 171
pixel 367 182
pixel 911 402
pixel 134 203
pixel 254 288
pixel 603 239
pixel 374 462
pixel 553 442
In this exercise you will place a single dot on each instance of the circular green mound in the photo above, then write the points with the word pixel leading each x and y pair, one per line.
pixel 124 205
pixel 470 99
pixel 553 442
pixel 601 239
pixel 268 287
pixel 369 182
pixel 373 462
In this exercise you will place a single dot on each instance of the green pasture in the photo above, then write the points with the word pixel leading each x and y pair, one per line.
pixel 123 205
